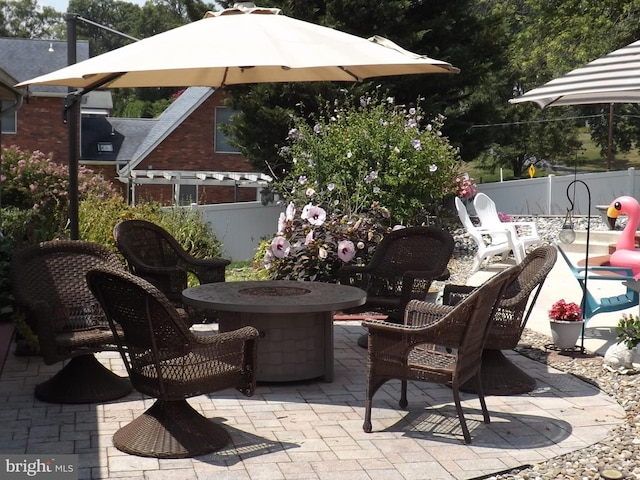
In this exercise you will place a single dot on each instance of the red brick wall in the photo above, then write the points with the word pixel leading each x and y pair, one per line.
pixel 40 127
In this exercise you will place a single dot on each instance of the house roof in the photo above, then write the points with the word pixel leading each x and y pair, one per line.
pixel 167 122
pixel 113 139
pixel 42 56
pixel 7 92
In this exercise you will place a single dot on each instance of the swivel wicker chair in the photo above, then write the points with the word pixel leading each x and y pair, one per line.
pixel 153 254
pixel 165 360
pixel 499 375
pixel 404 265
pixel 49 287
pixel 416 350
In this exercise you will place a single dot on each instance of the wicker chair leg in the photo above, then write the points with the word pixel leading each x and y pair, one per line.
pixel 83 380
pixel 483 404
pixel 366 426
pixel 461 419
pixel 403 394
pixel 170 429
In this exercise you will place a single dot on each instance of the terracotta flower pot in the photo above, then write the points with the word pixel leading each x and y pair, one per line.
pixel 564 333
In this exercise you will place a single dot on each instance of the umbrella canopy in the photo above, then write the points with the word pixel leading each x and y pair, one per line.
pixel 244 45
pixel 614 78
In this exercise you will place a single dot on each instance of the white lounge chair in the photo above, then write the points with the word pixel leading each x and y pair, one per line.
pixel 523 234
pixel 500 239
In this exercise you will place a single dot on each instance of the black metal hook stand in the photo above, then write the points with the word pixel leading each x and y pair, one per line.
pixel 568 224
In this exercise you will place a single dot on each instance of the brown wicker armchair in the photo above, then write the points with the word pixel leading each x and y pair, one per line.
pixel 499 375
pixel 168 362
pixel 153 254
pixel 404 265
pixel 416 350
pixel 49 287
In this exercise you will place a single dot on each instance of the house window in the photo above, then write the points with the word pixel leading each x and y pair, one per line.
pixel 187 194
pixel 9 117
pixel 222 144
pixel 105 147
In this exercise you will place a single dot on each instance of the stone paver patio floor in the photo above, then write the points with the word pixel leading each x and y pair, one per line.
pixel 313 430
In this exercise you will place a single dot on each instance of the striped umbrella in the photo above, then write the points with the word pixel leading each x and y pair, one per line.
pixel 614 78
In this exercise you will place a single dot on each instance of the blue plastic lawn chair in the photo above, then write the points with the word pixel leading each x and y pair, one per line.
pixel 592 306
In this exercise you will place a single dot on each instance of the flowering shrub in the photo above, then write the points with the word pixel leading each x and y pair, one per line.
pixel 32 181
pixel 466 186
pixel 562 310
pixel 309 245
pixel 628 330
pixel 372 150
pixel 505 217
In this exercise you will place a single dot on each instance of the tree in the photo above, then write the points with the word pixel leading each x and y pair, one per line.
pixel 475 46
pixel 576 32
pixel 25 19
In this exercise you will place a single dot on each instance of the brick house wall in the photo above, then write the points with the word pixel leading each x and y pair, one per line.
pixel 191 147
pixel 40 127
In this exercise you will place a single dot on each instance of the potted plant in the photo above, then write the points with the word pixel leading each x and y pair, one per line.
pixel 565 320
pixel 622 356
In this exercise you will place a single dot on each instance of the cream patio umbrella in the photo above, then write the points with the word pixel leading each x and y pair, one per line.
pixel 243 44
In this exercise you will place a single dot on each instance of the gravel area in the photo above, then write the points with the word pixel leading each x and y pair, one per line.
pixel 617 457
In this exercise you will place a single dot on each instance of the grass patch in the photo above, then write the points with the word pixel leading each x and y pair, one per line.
pixel 244 271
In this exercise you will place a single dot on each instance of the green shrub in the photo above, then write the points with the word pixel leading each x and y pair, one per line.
pixel 99 216
pixel 367 150
pixel 32 181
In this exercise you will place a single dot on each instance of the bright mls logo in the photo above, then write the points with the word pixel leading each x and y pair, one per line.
pixel 50 467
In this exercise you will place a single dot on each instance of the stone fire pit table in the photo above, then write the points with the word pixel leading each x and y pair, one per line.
pixel 295 321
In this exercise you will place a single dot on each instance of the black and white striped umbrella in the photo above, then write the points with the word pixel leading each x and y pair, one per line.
pixel 614 78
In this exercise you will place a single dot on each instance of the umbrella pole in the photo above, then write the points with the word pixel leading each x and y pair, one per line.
pixel 71 116
pixel 71 112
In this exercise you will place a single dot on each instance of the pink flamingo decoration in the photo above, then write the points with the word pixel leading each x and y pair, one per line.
pixel 626 255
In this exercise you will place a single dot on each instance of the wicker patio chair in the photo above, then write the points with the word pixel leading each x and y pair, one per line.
pixel 49 286
pixel 166 361
pixel 402 268
pixel 153 254
pixel 419 349
pixel 499 375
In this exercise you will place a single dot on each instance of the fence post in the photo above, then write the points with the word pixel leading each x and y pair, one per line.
pixel 631 185
pixel 550 179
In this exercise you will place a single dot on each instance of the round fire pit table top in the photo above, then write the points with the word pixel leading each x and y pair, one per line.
pixel 274 296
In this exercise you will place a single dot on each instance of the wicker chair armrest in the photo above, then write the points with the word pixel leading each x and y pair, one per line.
pixel 420 313
pixel 433 325
pixel 224 339
pixel 208 270
pixel 142 269
pixel 237 348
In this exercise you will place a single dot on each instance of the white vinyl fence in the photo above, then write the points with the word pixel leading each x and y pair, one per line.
pixel 241 226
pixel 548 195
